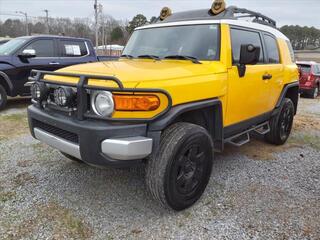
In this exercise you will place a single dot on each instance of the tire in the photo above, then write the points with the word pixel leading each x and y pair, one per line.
pixel 179 173
pixel 281 124
pixel 3 98
pixel 71 158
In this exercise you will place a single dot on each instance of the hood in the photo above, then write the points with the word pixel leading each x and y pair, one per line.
pixel 132 72
pixel 5 59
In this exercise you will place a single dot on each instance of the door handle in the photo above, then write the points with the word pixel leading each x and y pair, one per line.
pixel 266 77
pixel 54 63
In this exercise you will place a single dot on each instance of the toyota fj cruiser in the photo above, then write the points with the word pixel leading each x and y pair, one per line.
pixel 184 87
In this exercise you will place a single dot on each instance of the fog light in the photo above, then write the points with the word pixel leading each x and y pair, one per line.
pixel 63 96
pixel 38 91
pixel 102 103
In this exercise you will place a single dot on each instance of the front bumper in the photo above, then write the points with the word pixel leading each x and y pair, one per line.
pixel 93 141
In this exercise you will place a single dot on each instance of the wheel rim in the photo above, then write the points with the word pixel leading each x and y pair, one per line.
pixel 189 169
pixel 286 123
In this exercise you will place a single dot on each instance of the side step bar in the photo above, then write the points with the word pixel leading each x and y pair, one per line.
pixel 244 137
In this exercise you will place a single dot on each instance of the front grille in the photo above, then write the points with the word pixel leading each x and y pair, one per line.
pixel 69 136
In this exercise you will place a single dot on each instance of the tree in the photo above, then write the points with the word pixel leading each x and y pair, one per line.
pixel 137 21
pixel 153 19
pixel 116 34
pixel 302 37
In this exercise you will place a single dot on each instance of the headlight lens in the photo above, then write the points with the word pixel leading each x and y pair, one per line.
pixel 38 91
pixel 102 103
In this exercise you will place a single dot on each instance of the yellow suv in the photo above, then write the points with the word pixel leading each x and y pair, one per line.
pixel 184 87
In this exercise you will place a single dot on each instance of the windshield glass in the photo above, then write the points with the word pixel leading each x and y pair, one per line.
pixel 198 41
pixel 11 46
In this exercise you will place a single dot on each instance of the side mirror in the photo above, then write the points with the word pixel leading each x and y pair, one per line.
pixel 249 54
pixel 28 53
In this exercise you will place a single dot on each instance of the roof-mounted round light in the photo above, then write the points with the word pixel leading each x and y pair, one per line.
pixel 165 12
pixel 218 6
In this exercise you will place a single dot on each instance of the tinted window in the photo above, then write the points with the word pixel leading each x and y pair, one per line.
pixel 240 37
pixel 272 49
pixel 199 41
pixel 73 48
pixel 43 48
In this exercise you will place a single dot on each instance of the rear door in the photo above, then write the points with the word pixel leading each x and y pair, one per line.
pixel 46 59
pixel 72 51
pixel 274 68
pixel 248 96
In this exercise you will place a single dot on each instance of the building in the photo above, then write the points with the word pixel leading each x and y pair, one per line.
pixel 110 50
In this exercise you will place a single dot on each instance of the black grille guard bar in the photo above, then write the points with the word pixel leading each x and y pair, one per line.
pixel 82 96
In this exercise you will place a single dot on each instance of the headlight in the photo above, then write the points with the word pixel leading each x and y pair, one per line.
pixel 102 103
pixel 38 91
pixel 63 96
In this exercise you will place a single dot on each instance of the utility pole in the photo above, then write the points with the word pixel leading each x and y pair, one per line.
pixel 47 20
pixel 96 22
pixel 26 20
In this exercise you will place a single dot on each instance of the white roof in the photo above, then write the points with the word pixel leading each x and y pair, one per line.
pixel 240 23
pixel 111 47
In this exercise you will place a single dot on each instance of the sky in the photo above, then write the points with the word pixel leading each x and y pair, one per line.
pixel 285 12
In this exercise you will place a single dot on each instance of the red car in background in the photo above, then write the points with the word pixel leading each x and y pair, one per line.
pixel 309 78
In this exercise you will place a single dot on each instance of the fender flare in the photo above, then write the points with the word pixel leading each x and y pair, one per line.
pixel 293 85
pixel 8 81
pixel 216 122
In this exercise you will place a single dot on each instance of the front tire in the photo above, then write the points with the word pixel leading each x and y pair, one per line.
pixel 3 98
pixel 281 124
pixel 179 173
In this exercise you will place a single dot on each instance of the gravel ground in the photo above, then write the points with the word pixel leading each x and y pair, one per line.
pixel 257 191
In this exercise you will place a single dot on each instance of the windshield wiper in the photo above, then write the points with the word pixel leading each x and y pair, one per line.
pixel 184 57
pixel 128 56
pixel 150 57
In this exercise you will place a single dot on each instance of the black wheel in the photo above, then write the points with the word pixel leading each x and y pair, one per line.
pixel 281 124
pixel 71 158
pixel 3 98
pixel 178 175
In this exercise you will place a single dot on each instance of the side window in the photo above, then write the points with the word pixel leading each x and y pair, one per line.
pixel 43 48
pixel 71 48
pixel 240 37
pixel 291 51
pixel 272 49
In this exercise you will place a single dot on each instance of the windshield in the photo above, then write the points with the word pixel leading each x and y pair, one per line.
pixel 11 46
pixel 197 41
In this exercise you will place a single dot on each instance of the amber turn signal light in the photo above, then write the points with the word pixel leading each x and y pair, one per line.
pixel 136 102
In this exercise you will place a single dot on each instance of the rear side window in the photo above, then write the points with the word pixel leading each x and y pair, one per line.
pixel 240 37
pixel 43 48
pixel 70 48
pixel 291 51
pixel 272 49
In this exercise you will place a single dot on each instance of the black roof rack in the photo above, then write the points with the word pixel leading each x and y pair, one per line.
pixel 231 12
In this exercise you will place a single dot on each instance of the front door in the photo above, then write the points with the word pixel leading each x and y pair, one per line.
pixel 46 59
pixel 248 96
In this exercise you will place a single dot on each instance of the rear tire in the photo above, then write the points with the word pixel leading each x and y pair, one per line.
pixel 71 158
pixel 179 173
pixel 281 124
pixel 3 98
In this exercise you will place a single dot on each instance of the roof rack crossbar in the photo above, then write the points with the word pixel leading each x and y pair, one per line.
pixel 259 18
